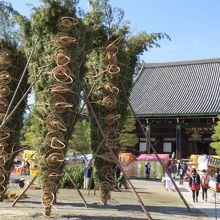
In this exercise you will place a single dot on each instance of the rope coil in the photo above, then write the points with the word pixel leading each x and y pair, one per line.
pixel 111 119
pixel 62 74
pixel 2 189
pixel 110 88
pixel 3 158
pixel 104 192
pixel 2 178
pixel 5 77
pixel 59 104
pixel 3 104
pixel 53 134
pixel 113 69
pixel 57 144
pixel 47 199
pixel 3 146
pixel 64 40
pixel 110 102
pixel 66 23
pixel 112 59
pixel 2 116
pixel 112 134
pixel 4 133
pixel 54 122
pixel 50 187
pixel 4 91
pixel 5 57
pixel 54 159
pixel 61 57
pixel 52 175
pixel 60 88
pixel 112 49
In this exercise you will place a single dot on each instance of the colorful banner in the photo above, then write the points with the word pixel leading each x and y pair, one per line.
pixel 155 172
pixel 28 154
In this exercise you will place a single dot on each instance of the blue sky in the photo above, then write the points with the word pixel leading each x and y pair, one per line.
pixel 193 25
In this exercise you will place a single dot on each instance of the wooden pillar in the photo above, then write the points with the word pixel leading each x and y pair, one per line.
pixel 178 142
pixel 148 139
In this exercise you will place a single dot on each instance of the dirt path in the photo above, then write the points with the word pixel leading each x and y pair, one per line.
pixel 160 203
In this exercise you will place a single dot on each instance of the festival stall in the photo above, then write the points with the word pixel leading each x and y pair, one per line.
pixel 213 167
pixel 156 171
pixel 128 163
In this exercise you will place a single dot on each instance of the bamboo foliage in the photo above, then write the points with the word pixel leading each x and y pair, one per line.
pixel 101 50
pixel 109 67
pixel 12 62
pixel 56 92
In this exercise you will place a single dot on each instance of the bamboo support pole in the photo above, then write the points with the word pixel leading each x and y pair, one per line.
pixel 26 188
pixel 75 185
pixel 20 101
pixel 116 159
pixel 155 152
pixel 22 76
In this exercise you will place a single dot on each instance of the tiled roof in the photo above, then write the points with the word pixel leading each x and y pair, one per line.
pixel 190 88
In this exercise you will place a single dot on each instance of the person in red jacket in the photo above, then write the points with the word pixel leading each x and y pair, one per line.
pixel 194 183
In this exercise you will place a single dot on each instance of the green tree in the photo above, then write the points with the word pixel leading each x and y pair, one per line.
pixel 101 26
pixel 128 137
pixel 12 63
pixel 105 25
pixel 216 137
pixel 81 138
pixel 56 91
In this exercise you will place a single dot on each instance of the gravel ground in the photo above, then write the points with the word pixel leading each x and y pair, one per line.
pixel 160 203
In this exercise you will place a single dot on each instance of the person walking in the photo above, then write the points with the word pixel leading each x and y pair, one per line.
pixel 173 169
pixel 218 176
pixel 205 184
pixel 147 170
pixel 194 183
pixel 87 176
pixel 117 176
pixel 181 172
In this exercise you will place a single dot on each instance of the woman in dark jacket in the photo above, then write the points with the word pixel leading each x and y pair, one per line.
pixel 194 184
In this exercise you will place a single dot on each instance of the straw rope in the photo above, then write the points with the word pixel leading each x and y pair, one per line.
pixel 64 40
pixel 111 119
pixel 59 104
pixel 52 175
pixel 3 158
pixel 66 23
pixel 4 91
pixel 110 88
pixel 54 159
pixel 50 187
pixel 3 104
pixel 5 58
pixel 55 122
pixel 4 133
pixel 113 69
pixel 47 199
pixel 62 74
pixel 59 88
pixel 5 77
pixel 61 57
pixel 2 178
pixel 109 101
pixel 57 144
pixel 52 134
pixel 2 189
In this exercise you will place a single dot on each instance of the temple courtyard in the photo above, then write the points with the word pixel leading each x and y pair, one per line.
pixel 161 204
